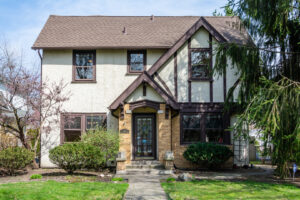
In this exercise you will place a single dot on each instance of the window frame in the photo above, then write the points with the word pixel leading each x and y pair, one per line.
pixel 74 80
pixel 203 116
pixel 129 52
pixel 209 65
pixel 83 122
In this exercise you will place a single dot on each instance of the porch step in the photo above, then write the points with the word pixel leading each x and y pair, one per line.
pixel 145 162
pixel 133 172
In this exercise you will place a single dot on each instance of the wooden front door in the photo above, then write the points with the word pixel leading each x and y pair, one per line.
pixel 144 136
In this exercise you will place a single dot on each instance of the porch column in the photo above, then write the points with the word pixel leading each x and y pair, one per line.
pixel 125 134
pixel 164 132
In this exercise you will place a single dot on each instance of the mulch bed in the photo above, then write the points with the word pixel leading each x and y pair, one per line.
pixel 57 175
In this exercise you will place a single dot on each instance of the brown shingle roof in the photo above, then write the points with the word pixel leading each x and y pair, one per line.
pixel 141 32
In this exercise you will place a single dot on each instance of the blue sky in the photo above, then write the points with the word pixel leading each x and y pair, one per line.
pixel 22 20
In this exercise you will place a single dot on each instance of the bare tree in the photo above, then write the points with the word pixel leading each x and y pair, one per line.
pixel 26 102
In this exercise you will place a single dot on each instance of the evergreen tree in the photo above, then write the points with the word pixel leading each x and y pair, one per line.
pixel 269 75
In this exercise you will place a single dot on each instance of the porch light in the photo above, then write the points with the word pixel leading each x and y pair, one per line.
pixel 160 111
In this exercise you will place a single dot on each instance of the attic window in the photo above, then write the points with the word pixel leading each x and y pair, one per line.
pixel 136 61
pixel 84 66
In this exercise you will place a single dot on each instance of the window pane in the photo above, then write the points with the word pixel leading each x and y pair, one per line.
pixel 191 121
pixel 214 121
pixel 200 71
pixel 191 135
pixel 214 136
pixel 84 72
pixel 72 122
pixel 72 136
pixel 84 59
pixel 136 62
pixel 84 65
pixel 200 58
pixel 93 121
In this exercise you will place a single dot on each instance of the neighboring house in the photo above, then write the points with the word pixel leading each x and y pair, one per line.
pixel 146 77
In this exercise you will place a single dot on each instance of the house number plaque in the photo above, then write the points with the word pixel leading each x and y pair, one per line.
pixel 124 131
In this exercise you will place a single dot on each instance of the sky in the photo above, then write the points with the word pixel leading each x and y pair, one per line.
pixel 22 20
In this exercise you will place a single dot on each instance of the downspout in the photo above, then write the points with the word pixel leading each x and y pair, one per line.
pixel 40 154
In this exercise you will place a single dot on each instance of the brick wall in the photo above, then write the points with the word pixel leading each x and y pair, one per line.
pixel 125 139
pixel 164 133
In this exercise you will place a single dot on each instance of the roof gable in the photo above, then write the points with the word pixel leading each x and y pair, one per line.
pixel 144 77
pixel 188 34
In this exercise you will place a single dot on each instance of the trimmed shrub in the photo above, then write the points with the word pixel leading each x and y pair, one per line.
pixel 208 154
pixel 117 179
pixel 77 155
pixel 15 158
pixel 36 176
pixel 106 140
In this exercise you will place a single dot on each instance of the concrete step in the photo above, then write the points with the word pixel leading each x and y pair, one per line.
pixel 145 172
pixel 145 162
pixel 136 166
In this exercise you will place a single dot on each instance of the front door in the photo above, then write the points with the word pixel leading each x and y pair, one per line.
pixel 144 130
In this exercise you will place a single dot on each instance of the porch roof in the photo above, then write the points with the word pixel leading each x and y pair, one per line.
pixel 144 78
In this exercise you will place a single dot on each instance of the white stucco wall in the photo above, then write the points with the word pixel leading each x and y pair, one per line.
pixel 151 95
pixel 182 73
pixel 200 89
pixel 112 80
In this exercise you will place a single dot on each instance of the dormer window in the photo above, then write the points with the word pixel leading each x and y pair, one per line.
pixel 136 61
pixel 200 64
pixel 84 66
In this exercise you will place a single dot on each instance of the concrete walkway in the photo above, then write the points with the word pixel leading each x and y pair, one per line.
pixel 144 186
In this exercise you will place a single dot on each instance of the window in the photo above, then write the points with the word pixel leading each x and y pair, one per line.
pixel 203 127
pixel 72 128
pixel 93 122
pixel 200 64
pixel 84 66
pixel 74 124
pixel 136 61
pixel 191 128
pixel 214 128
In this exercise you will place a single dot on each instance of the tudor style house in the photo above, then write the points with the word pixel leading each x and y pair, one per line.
pixel 149 78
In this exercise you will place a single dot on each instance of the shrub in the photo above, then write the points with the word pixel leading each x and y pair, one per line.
pixel 171 179
pixel 106 140
pixel 77 155
pixel 15 158
pixel 117 179
pixel 207 154
pixel 36 176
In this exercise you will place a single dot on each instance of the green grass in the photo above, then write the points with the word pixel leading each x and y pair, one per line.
pixel 61 190
pixel 214 189
pixel 36 176
pixel 117 179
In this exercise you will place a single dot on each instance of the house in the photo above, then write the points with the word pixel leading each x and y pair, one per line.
pixel 146 77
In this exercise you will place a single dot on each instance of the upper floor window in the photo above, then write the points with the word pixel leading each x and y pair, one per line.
pixel 204 127
pixel 136 61
pixel 84 66
pixel 200 64
pixel 75 124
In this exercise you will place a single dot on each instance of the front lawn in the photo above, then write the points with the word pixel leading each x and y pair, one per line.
pixel 37 190
pixel 215 189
